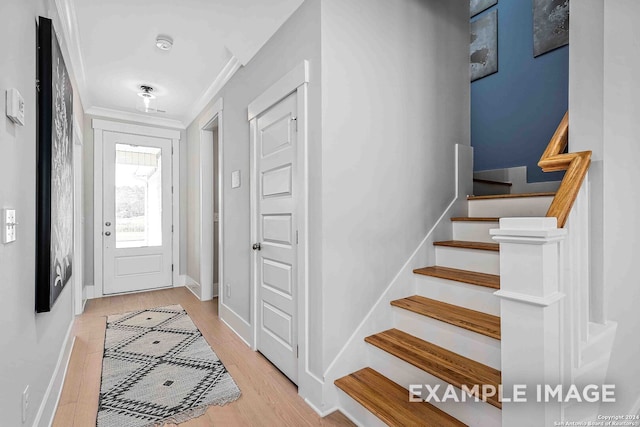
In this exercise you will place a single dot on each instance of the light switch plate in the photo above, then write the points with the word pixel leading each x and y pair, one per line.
pixel 15 106
pixel 235 179
pixel 9 225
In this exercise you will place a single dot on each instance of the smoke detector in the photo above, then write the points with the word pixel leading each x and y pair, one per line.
pixel 164 42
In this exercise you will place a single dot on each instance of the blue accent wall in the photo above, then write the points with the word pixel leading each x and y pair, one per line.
pixel 515 111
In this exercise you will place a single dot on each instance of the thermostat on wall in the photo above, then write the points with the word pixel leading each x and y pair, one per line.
pixel 15 106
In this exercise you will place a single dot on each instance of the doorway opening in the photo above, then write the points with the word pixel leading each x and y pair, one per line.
pixel 136 246
pixel 210 231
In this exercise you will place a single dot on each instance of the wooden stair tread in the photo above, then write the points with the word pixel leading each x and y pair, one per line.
pixel 474 219
pixel 483 246
pixel 389 401
pixel 475 321
pixel 511 196
pixel 491 181
pixel 437 361
pixel 464 276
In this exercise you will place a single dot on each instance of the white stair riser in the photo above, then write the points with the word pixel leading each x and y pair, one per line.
pixel 465 295
pixel 358 413
pixel 473 231
pixel 468 259
pixel 477 414
pixel 600 341
pixel 513 207
pixel 469 344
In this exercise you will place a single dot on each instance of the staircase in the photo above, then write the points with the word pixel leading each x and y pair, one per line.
pixel 447 334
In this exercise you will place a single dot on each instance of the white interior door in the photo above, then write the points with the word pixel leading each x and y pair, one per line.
pixel 275 269
pixel 137 229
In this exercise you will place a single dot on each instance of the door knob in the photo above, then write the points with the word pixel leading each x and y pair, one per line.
pixel 107 233
pixel 108 224
pixel 257 247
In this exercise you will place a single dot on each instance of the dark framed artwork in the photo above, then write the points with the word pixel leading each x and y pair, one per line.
pixel 484 46
pixel 54 189
pixel 477 6
pixel 550 25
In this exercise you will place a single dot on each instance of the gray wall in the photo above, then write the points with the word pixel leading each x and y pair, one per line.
pixel 390 96
pixel 298 39
pixel 31 343
pixel 88 152
pixel 604 106
pixel 395 96
pixel 621 236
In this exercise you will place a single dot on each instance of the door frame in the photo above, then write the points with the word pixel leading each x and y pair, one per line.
pixel 207 220
pixel 79 291
pixel 99 127
pixel 295 81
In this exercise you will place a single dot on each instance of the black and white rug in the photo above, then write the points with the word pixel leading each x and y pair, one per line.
pixel 158 368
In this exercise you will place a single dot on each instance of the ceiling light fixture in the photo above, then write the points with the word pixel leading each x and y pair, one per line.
pixel 164 42
pixel 147 96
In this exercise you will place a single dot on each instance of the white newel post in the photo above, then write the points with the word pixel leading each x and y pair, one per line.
pixel 530 316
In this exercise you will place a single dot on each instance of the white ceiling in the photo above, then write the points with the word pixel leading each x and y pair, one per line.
pixel 116 48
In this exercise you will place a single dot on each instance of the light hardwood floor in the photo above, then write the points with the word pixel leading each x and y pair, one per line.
pixel 268 397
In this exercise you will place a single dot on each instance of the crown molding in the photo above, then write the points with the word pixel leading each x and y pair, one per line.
pixel 135 118
pixel 71 38
pixel 223 77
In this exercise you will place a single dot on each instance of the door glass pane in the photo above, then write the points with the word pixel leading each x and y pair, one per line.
pixel 138 196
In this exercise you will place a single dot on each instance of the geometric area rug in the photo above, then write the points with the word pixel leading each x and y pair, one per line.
pixel 157 368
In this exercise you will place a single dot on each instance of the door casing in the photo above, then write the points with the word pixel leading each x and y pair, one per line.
pixel 99 127
pixel 79 295
pixel 207 221
pixel 296 81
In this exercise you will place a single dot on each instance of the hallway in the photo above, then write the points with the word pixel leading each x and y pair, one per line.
pixel 268 397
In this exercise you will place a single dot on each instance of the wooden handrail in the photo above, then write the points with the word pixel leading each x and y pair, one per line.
pixel 575 165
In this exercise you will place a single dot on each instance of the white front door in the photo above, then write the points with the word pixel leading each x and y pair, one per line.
pixel 137 229
pixel 275 268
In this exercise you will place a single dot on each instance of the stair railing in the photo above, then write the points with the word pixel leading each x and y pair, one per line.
pixel 576 166
pixel 544 287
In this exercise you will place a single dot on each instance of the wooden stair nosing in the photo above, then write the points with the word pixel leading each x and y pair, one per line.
pixel 472 320
pixel 474 219
pixel 463 244
pixel 511 196
pixel 493 182
pixel 465 276
pixel 439 362
pixel 389 401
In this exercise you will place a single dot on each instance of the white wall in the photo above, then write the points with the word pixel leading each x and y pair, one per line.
pixel 31 343
pixel 604 110
pixel 394 102
pixel 395 79
pixel 586 106
pixel 621 236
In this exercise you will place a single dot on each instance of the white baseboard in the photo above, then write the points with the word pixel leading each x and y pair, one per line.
pixel 182 280
pixel 193 286
pixel 236 323
pixel 49 404
pixel 320 412
pixel 90 292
